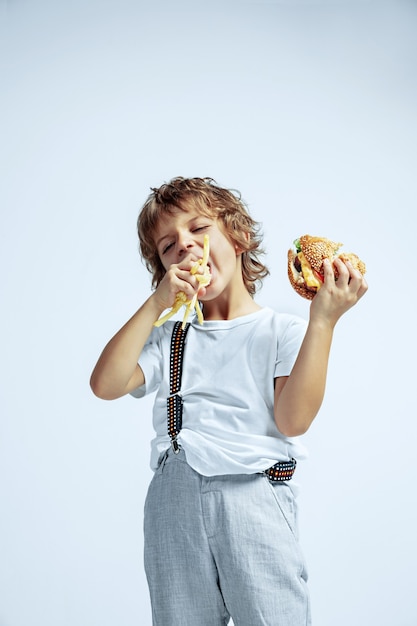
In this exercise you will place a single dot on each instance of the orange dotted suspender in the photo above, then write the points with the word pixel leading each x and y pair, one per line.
pixel 174 402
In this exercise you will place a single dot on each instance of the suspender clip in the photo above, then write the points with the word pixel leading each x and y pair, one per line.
pixel 175 446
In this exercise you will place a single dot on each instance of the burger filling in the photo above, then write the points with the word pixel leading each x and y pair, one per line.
pixel 306 275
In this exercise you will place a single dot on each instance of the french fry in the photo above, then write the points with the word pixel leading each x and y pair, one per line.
pixel 181 298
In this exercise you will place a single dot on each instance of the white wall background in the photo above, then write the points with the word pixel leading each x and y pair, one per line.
pixel 307 107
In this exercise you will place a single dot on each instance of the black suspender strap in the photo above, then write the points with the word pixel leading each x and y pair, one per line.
pixel 174 401
pixel 283 470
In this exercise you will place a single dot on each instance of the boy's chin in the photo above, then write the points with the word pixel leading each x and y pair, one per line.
pixel 208 296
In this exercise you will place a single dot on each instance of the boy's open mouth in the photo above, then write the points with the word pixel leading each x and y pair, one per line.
pixel 210 268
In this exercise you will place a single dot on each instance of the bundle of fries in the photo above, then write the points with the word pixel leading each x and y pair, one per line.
pixel 181 298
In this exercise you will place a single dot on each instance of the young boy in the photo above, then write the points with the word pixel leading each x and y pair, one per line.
pixel 220 530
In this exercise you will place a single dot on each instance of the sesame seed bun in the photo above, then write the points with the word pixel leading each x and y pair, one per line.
pixel 305 263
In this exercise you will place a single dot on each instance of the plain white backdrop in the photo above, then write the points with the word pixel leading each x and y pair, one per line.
pixel 309 109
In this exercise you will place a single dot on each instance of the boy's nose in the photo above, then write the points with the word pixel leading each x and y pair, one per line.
pixel 184 243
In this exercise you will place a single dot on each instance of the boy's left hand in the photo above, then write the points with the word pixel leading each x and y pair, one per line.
pixel 335 297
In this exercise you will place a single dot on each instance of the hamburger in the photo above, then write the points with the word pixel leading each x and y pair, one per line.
pixel 305 263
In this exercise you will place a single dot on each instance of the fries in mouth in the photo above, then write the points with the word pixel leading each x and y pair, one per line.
pixel 181 299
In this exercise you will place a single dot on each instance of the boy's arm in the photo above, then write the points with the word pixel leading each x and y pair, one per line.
pixel 117 371
pixel 298 397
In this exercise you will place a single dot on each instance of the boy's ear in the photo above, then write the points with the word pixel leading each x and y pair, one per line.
pixel 238 249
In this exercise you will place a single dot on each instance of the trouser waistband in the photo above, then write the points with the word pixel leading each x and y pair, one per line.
pixel 280 471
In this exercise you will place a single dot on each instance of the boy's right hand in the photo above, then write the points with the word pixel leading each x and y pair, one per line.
pixel 178 278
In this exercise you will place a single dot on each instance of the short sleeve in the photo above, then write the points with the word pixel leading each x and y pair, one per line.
pixel 151 363
pixel 289 344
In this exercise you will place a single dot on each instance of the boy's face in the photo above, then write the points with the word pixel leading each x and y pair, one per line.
pixel 180 237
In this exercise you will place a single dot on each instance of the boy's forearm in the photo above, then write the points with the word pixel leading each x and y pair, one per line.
pixel 302 395
pixel 298 400
pixel 117 372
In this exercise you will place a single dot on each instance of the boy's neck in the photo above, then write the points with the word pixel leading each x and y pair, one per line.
pixel 230 308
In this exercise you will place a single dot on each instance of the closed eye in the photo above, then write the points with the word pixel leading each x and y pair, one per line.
pixel 167 247
pixel 199 228
pixel 194 229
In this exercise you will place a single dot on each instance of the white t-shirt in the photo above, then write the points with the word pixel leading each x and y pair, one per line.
pixel 227 388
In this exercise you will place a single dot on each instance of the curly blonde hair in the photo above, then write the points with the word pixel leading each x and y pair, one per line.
pixel 205 195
